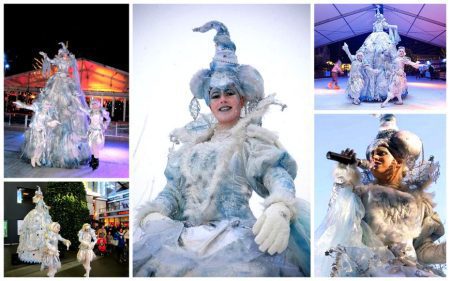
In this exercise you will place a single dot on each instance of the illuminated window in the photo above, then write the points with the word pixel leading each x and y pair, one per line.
pixel 19 195
pixel 25 195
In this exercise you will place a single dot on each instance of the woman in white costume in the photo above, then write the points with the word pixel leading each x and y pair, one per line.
pixel 98 123
pixel 66 146
pixel 398 82
pixel 87 239
pixel 378 50
pixel 33 230
pixel 356 82
pixel 381 222
pixel 201 223
pixel 50 257
pixel 40 130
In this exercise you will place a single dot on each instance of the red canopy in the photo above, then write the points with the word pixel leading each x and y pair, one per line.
pixel 95 78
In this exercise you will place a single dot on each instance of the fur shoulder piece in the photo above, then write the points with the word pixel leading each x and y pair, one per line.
pixel 262 134
pixel 195 131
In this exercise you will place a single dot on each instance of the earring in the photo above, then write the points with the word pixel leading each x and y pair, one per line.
pixel 243 111
pixel 194 108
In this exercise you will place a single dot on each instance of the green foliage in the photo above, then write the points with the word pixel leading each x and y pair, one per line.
pixel 68 207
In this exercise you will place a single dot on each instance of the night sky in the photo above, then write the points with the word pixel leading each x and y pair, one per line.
pixel 98 32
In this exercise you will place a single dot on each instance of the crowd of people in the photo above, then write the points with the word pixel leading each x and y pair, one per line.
pixel 113 240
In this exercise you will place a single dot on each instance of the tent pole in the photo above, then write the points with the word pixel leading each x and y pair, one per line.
pixel 124 108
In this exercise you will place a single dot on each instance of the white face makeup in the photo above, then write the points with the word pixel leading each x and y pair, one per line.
pixel 56 228
pixel 37 198
pixel 359 56
pixel 95 105
pixel 226 105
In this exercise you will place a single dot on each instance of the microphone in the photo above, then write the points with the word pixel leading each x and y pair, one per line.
pixel 348 160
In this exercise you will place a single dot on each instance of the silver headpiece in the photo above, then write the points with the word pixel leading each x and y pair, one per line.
pixel 224 70
pixel 401 144
pixel 38 191
pixel 63 49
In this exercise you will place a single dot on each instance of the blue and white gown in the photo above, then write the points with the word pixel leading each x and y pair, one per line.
pixel 209 183
pixel 65 145
pixel 379 50
pixel 376 230
pixel 33 232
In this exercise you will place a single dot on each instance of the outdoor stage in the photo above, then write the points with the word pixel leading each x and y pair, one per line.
pixel 423 94
pixel 114 161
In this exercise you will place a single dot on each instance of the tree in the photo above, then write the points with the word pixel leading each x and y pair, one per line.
pixel 68 207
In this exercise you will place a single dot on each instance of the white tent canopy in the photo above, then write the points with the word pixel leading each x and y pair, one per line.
pixel 336 22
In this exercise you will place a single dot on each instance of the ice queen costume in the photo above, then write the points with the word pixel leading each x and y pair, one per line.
pixel 398 83
pixel 98 123
pixel 356 80
pixel 33 231
pixel 376 230
pixel 87 240
pixel 379 50
pixel 66 146
pixel 40 128
pixel 210 179
pixel 50 258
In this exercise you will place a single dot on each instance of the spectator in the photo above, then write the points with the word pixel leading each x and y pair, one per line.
pixel 119 237
pixel 101 244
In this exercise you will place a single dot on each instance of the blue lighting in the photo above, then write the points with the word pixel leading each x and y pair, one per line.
pixel 19 196
pixel 5 62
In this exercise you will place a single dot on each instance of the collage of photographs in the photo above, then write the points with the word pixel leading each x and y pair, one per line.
pixel 267 140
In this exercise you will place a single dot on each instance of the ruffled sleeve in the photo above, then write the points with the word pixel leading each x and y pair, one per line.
pixel 270 170
pixel 169 201
pixel 427 249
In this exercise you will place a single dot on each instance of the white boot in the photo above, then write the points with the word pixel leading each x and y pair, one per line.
pixel 33 162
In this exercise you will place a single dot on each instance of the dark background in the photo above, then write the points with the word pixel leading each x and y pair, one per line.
pixel 98 32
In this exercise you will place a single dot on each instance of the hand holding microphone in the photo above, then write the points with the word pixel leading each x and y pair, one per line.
pixel 348 157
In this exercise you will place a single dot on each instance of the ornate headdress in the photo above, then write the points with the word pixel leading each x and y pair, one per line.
pixel 408 147
pixel 224 70
pixel 38 191
pixel 402 145
pixel 94 102
pixel 379 15
pixel 63 49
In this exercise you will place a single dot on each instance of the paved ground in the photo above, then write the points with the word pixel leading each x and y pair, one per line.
pixel 423 94
pixel 107 266
pixel 114 161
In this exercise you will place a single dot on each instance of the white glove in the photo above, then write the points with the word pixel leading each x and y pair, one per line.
pixel 272 229
pixel 153 217
pixel 53 123
pixel 67 244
